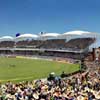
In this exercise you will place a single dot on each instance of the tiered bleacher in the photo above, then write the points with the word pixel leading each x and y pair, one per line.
pixel 5 44
pixel 28 44
pixel 77 44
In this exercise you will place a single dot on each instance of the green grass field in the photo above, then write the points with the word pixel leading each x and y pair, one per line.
pixel 18 69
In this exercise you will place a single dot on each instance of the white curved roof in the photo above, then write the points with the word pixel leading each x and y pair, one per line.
pixel 50 35
pixel 76 33
pixel 27 36
pixel 80 34
pixel 6 38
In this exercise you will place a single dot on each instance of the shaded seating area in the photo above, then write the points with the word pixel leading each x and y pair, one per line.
pixel 79 43
pixel 62 44
pixel 5 44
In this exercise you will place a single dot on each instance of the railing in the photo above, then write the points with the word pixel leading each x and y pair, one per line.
pixel 42 49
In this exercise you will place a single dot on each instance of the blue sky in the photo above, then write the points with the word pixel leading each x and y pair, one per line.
pixel 33 16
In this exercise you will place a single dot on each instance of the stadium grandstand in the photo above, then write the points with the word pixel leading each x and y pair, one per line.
pixel 66 45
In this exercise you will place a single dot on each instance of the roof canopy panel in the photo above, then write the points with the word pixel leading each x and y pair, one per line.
pixel 79 34
pixel 49 35
pixel 76 33
pixel 26 36
pixel 6 38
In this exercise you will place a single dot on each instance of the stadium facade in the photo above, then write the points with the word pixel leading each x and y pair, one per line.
pixel 74 44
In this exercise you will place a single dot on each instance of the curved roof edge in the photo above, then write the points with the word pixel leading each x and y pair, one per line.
pixel 27 36
pixel 77 32
pixel 49 35
pixel 6 38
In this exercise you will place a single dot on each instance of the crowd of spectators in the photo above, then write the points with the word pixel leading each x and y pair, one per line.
pixel 78 43
pixel 28 43
pixel 5 44
pixel 81 86
pixel 75 44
